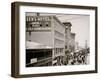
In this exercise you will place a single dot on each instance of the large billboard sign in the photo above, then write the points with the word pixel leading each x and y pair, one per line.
pixel 38 23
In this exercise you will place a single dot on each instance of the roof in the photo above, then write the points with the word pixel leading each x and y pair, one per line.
pixel 67 24
pixel 59 21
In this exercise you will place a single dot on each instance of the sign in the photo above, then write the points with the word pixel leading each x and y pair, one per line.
pixel 38 23
pixel 34 60
pixel 38 18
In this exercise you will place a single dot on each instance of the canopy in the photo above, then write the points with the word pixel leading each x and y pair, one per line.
pixel 35 45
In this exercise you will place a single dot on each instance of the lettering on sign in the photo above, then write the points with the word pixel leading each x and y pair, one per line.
pixel 38 23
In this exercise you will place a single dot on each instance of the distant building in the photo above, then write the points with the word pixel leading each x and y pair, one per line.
pixel 46 41
pixel 69 38
pixel 72 41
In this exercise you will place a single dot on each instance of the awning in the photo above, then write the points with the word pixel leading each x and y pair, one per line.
pixel 35 45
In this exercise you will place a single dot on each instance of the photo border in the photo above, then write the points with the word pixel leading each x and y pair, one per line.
pixel 15 32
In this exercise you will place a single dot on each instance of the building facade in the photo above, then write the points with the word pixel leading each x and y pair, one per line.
pixel 49 34
pixel 69 38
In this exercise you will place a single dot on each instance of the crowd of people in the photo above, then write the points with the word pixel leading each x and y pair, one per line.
pixel 77 58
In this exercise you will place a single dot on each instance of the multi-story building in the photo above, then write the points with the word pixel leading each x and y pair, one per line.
pixel 45 41
pixel 69 38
